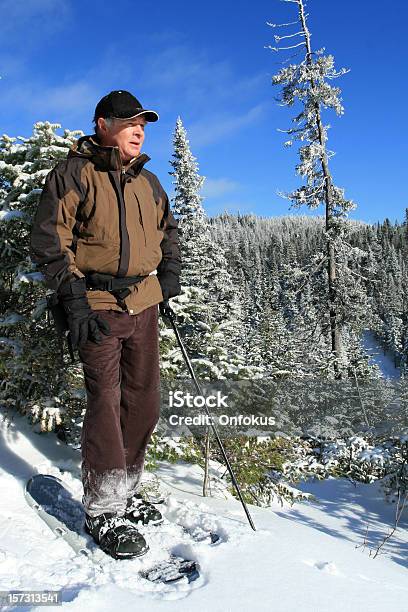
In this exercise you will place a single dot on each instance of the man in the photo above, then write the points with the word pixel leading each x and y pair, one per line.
pixel 102 229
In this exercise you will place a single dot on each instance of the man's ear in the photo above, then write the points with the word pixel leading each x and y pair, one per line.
pixel 102 125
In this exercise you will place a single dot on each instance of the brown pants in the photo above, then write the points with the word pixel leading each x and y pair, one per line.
pixel 122 380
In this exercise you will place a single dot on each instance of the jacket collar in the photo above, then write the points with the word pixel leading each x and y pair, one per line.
pixel 106 158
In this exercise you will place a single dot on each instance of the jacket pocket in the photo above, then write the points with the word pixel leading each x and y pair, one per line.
pixel 141 221
pixel 93 254
pixel 148 220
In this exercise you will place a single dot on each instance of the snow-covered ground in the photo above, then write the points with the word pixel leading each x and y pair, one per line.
pixel 384 359
pixel 307 558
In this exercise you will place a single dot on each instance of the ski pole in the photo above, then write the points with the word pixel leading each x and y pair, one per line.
pixel 167 311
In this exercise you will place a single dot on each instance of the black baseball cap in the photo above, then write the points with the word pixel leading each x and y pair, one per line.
pixel 122 105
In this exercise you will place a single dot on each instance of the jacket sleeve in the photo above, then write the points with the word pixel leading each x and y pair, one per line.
pixel 51 234
pixel 170 246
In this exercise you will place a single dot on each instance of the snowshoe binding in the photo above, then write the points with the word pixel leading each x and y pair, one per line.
pixel 139 510
pixel 116 535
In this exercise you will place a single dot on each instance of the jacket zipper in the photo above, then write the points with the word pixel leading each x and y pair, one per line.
pixel 124 235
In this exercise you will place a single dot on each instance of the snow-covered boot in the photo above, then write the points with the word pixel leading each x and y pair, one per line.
pixel 139 510
pixel 116 535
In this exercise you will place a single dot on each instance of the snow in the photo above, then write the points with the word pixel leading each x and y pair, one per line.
pixel 380 357
pixel 304 557
pixel 30 277
pixel 7 215
pixel 14 344
pixel 11 319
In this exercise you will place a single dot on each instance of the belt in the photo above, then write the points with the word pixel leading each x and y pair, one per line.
pixel 118 286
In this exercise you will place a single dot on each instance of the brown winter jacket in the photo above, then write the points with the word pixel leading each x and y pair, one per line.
pixel 96 216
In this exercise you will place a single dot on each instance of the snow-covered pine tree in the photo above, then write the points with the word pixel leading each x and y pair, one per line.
pixel 33 380
pixel 308 82
pixel 209 310
pixel 392 311
pixel 404 296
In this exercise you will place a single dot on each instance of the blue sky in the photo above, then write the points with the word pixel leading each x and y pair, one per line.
pixel 207 62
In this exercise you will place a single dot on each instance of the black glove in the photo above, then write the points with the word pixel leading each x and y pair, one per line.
pixel 170 284
pixel 166 310
pixel 83 322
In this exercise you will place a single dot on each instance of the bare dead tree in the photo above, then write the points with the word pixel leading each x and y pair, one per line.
pixel 308 83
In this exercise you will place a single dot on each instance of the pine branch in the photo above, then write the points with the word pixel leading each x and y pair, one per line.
pixel 281 25
pixel 301 44
pixel 278 38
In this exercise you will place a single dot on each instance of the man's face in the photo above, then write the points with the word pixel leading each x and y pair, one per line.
pixel 127 134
